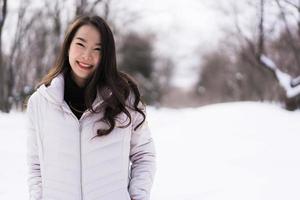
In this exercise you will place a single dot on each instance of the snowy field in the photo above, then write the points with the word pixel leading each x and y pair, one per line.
pixel 234 151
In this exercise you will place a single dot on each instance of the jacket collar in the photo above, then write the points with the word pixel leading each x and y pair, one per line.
pixel 54 93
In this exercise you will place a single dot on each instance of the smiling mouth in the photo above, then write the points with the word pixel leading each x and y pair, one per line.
pixel 84 65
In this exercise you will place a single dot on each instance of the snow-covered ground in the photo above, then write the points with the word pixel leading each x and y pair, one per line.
pixel 226 151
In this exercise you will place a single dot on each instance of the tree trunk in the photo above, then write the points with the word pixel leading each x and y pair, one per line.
pixel 3 86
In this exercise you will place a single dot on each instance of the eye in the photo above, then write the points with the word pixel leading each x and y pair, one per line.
pixel 98 49
pixel 80 44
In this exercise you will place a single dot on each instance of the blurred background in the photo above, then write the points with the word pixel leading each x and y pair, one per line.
pixel 183 53
pixel 221 78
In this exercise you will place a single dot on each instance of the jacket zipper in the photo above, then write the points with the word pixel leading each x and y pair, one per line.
pixel 80 156
pixel 80 150
pixel 67 108
pixel 80 144
pixel 80 153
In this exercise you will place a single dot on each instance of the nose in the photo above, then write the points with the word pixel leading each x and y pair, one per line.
pixel 87 55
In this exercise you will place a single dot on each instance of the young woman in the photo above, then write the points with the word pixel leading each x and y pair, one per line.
pixel 88 137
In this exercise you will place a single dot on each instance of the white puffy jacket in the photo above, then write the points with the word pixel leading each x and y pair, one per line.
pixel 65 164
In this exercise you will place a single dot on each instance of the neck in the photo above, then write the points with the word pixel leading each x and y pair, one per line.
pixel 79 82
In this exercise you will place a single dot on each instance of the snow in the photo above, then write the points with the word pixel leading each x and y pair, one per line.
pixel 268 62
pixel 12 153
pixel 284 79
pixel 296 81
pixel 224 151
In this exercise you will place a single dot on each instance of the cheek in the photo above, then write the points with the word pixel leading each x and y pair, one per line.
pixel 73 52
pixel 97 59
pixel 70 54
pixel 71 59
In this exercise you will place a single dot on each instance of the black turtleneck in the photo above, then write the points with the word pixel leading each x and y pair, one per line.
pixel 74 96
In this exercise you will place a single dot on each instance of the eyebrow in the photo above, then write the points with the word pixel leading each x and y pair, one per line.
pixel 83 40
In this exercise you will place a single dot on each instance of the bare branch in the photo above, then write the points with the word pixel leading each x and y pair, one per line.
pixel 298 21
pixel 291 4
pixel 297 7
pixel 244 37
pixel 91 8
pixel 290 38
pixel 261 39
pixel 80 6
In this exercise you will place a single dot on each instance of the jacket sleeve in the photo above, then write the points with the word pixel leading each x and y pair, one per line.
pixel 34 176
pixel 142 156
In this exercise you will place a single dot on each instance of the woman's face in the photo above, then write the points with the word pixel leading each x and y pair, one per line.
pixel 84 53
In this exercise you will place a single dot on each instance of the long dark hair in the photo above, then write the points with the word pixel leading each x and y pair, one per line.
pixel 105 78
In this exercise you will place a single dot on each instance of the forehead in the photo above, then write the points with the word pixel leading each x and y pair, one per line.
pixel 89 33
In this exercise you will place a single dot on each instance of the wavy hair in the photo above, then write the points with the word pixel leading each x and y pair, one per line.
pixel 105 78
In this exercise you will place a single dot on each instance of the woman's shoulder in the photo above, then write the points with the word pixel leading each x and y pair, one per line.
pixel 37 94
pixel 32 99
pixel 35 98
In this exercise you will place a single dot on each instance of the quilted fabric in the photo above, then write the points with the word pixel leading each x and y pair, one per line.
pixel 65 163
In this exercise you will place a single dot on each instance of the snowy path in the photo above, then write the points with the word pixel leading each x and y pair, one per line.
pixel 228 151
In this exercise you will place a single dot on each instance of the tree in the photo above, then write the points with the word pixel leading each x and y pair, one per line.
pixel 41 31
pixel 136 58
pixel 257 46
pixel 3 89
pixel 34 45
pixel 217 81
